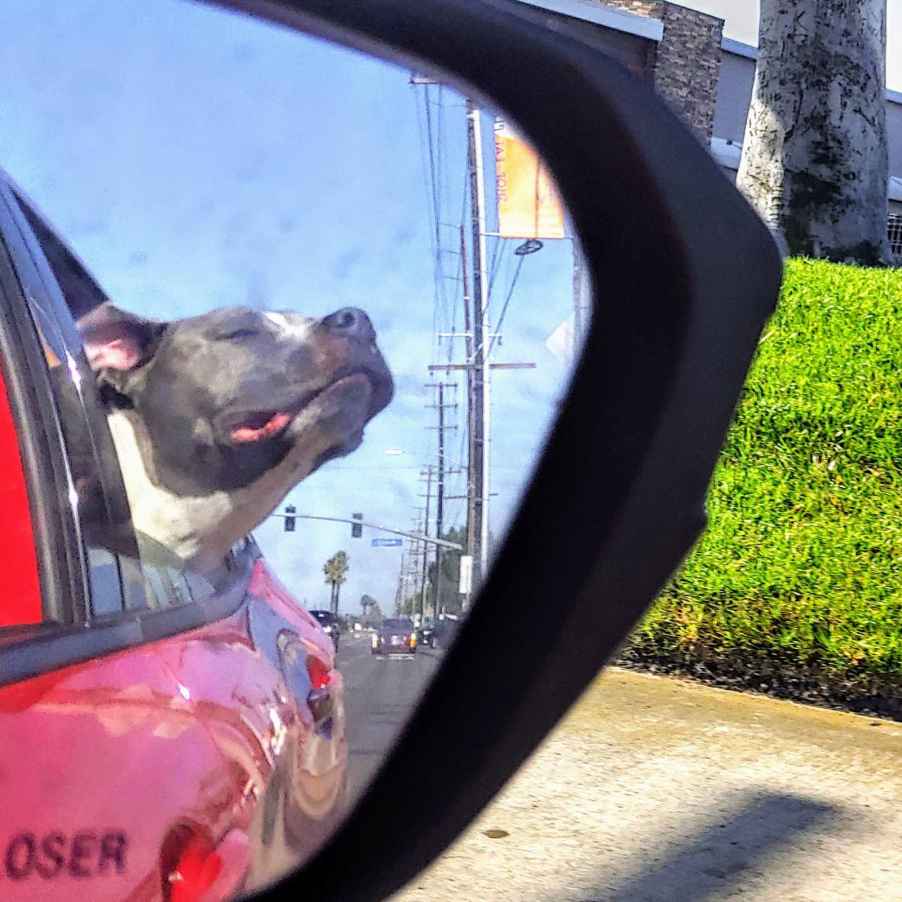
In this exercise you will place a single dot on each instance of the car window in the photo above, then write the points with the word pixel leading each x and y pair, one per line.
pixel 104 576
pixel 127 571
pixel 392 624
pixel 168 587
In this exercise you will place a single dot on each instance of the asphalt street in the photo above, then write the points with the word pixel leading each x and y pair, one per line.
pixel 380 695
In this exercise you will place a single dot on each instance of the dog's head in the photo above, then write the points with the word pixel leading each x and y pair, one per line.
pixel 224 398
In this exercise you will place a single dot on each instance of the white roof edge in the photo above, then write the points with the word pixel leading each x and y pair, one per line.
pixel 616 19
pixel 895 188
pixel 737 48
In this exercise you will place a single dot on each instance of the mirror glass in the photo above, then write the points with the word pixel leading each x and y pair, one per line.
pixel 343 307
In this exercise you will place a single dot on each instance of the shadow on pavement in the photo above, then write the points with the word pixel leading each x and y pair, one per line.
pixel 719 858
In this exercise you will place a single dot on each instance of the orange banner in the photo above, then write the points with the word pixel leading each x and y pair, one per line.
pixel 528 202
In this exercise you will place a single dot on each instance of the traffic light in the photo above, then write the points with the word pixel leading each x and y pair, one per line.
pixel 289 520
pixel 356 528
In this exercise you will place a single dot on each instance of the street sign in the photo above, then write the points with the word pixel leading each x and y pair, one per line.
pixel 386 543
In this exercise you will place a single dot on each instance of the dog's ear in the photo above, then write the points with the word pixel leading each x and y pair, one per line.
pixel 118 344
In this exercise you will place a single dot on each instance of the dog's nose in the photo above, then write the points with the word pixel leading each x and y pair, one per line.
pixel 350 322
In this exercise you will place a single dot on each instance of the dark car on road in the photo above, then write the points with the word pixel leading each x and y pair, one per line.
pixel 437 635
pixel 330 623
pixel 395 636
pixel 426 635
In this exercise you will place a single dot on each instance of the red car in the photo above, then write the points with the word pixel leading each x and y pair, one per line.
pixel 164 735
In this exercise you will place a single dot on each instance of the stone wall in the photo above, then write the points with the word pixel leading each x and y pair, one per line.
pixel 686 64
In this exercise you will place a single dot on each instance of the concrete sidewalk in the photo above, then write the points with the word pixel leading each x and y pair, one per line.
pixel 661 789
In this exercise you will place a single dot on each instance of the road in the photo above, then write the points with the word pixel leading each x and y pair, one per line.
pixel 655 789
pixel 380 695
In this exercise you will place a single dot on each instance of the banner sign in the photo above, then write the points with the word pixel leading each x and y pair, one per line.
pixel 528 202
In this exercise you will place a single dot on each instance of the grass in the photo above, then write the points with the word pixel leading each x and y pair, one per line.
pixel 801 565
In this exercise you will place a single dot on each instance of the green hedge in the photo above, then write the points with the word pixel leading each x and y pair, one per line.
pixel 801 564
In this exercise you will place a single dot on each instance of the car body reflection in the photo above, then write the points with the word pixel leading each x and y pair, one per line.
pixel 231 734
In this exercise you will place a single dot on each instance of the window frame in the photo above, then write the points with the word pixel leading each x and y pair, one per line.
pixel 71 633
pixel 62 576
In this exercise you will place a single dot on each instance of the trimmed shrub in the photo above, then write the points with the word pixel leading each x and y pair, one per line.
pixel 801 565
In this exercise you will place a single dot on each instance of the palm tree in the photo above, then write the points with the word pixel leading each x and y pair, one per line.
pixel 335 570
pixel 814 157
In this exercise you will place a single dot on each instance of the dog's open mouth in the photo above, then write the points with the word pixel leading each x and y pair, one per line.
pixel 263 425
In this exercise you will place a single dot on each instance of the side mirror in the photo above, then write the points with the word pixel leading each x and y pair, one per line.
pixel 685 276
pixel 286 365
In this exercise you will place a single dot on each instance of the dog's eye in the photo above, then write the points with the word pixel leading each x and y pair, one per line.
pixel 237 334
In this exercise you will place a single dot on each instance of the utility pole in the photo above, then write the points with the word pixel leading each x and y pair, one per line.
pixel 440 493
pixel 415 556
pixel 403 581
pixel 477 365
pixel 471 405
pixel 439 500
pixel 425 548
pixel 477 529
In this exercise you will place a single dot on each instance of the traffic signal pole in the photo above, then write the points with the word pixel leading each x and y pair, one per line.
pixel 419 537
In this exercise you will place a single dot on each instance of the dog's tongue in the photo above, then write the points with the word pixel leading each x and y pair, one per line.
pixel 253 431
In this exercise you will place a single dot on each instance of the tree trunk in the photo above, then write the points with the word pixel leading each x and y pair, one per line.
pixel 814 158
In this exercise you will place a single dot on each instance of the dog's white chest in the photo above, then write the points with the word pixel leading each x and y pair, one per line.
pixel 188 527
pixel 197 529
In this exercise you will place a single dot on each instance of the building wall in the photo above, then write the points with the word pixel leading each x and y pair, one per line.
pixel 709 82
pixel 685 67
pixel 894 137
pixel 734 96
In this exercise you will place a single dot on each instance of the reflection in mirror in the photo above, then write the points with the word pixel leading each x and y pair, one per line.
pixel 321 300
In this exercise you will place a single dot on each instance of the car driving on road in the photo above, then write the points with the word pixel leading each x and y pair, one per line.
pixel 330 623
pixel 396 636
pixel 426 635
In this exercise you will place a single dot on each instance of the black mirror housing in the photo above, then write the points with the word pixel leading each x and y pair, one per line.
pixel 685 275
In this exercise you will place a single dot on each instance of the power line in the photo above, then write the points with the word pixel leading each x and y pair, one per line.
pixel 506 302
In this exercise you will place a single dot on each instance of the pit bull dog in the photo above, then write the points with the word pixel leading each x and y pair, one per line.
pixel 217 417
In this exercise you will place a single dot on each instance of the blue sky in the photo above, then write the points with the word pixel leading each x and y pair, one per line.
pixel 195 158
